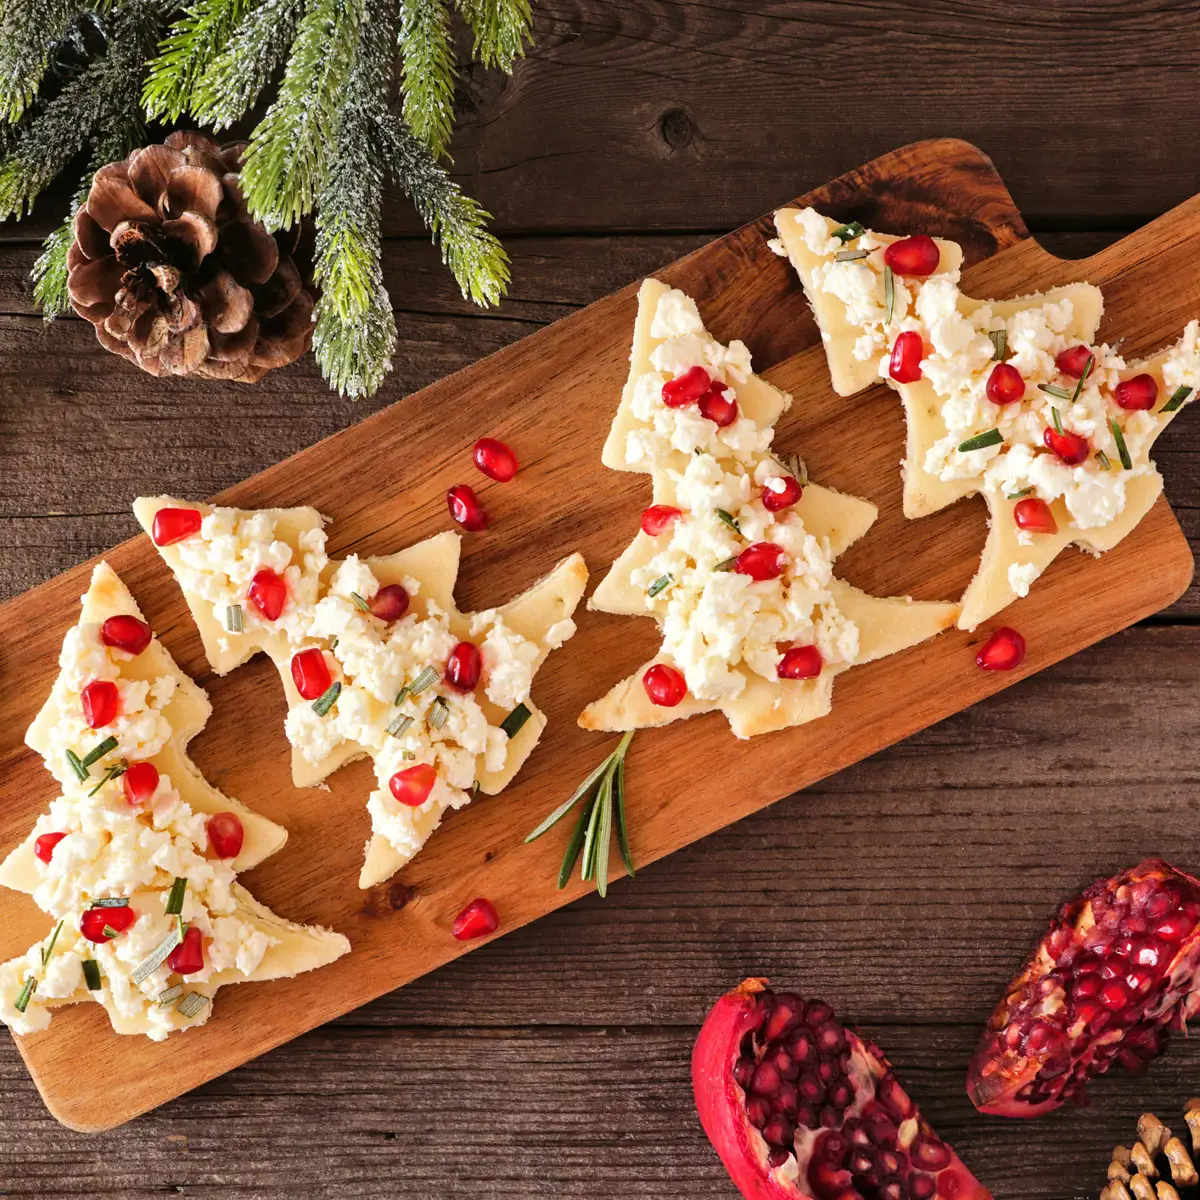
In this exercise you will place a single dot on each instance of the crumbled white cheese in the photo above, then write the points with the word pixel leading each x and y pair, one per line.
pixel 1021 576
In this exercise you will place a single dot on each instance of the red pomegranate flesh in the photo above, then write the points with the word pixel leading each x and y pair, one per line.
pixel 800 1108
pixel 1118 969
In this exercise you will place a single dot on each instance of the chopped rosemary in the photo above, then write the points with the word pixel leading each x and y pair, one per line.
pixel 180 927
pixel 360 603
pixel 401 695
pixel 427 678
pixel 91 974
pixel 1017 495
pixel 515 721
pixel 109 902
pixel 793 464
pixel 1119 438
pixel 1181 393
pixel 98 752
pixel 175 899
pixel 981 441
pixel 333 645
pixel 889 294
pixel 326 700
pixel 1102 459
pixel 81 772
pixel 728 519
pixel 1057 392
pixel 438 713
pixel 400 725
pixel 1087 370
pixel 113 772
pixel 1056 417
pixel 849 255
pixel 191 1004
pixel 48 948
pixel 233 618
pixel 26 994
pixel 726 564
pixel 172 993
pixel 156 957
pixel 660 585
pixel 999 342
pixel 408 755
pixel 849 231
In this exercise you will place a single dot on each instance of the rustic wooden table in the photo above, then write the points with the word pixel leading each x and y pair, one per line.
pixel 555 1062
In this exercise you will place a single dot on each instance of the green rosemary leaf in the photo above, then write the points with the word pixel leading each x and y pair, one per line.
pixel 109 902
pixel 401 695
pixel 323 703
pixel 360 603
pixel 98 752
pixel 156 957
pixel 438 714
pixel 427 678
pixel 849 231
pixel 604 837
pixel 113 772
pixel 172 993
pixel 889 294
pixel 22 1002
pixel 48 948
pixel 191 1004
pixel 1119 438
pixel 576 843
pixel 726 564
pixel 659 585
pixel 515 721
pixel 566 806
pixel 588 864
pixel 81 772
pixel 1087 370
pixel 849 255
pixel 1180 394
pixel 1018 495
pixel 91 974
pixel 981 441
pixel 110 933
pixel 999 343
pixel 175 899
pixel 400 726
pixel 1102 459
pixel 1057 392
pixel 727 519
pixel 619 809
pixel 233 618
pixel 1056 417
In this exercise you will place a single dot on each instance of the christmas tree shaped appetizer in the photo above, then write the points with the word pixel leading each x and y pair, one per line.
pixel 375 658
pixel 1010 399
pixel 735 556
pixel 137 859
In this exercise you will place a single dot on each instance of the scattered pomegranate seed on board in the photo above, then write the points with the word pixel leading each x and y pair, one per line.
pixel 477 920
pixel 495 459
pixel 465 509
pixel 1003 651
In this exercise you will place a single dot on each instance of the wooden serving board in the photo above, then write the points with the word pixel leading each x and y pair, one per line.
pixel 552 396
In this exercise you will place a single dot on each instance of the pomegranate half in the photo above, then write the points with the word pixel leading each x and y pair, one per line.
pixel 1115 973
pixel 797 1106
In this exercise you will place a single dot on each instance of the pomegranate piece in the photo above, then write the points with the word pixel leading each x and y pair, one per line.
pixel 172 525
pixel 390 603
pixel 126 633
pixel 687 388
pixel 1003 651
pixel 43 848
pixel 477 920
pixel 907 352
pixel 225 834
pixel 1071 448
pixel 800 1108
pixel 1073 360
pixel 139 783
pixel 310 673
pixel 718 405
pixel 665 686
pixel 465 509
pixel 658 518
pixel 495 459
pixel 464 667
pixel 1034 515
pixel 413 785
pixel 1136 394
pixel 1005 385
pixel 801 662
pixel 268 593
pixel 117 919
pixel 188 957
pixel 101 702
pixel 917 255
pixel 781 492
pixel 1117 970
pixel 761 561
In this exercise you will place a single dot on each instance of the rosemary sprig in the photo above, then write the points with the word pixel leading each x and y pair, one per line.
pixel 727 518
pixel 233 618
pixel 515 721
pixel 400 725
pixel 726 564
pixel 175 897
pixel 91 974
pixel 849 255
pixel 849 231
pixel 1018 495
pixel 1087 370
pixel 26 994
pixel 659 585
pixel 1057 392
pixel 81 772
pixel 999 343
pixel 1119 438
pixel 438 714
pixel 114 772
pixel 360 603
pixel 981 441
pixel 889 294
pixel 156 957
pixel 48 948
pixel 96 753
pixel 1103 460
pixel 191 1004
pixel 1181 393
pixel 1056 417
pixel 427 678
pixel 326 700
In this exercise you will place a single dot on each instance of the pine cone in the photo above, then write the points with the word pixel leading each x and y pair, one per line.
pixel 1158 1165
pixel 176 275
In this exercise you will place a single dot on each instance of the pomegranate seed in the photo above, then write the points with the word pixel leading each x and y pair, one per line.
pixel 478 919
pixel 1073 360
pixel 413 785
pixel 188 957
pixel 658 518
pixel 1175 927
pixel 225 834
pixel 765 1081
pixel 92 923
pixel 786 492
pixel 1150 953
pixel 268 593
pixel 310 673
pixel 1035 516
pixel 1005 385
pixel 687 388
pixel 1136 394
pixel 43 848
pixel 465 509
pixel 905 365
pixel 495 459
pixel 1140 979
pixel 917 255
pixel 665 686
pixel 464 667
pixel 1114 995
pixel 390 603
pixel 139 783
pixel 1070 447
pixel 101 701
pixel 719 406
pixel 761 561
pixel 1087 985
pixel 126 633
pixel 1003 651
pixel 172 525
pixel 801 662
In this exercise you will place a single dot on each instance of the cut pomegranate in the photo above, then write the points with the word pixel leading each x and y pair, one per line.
pixel 1005 385
pixel 781 492
pixel 188 957
pixel 172 525
pixel 43 848
pixel 718 405
pixel 798 1107
pixel 310 673
pixel 464 667
pixel 495 459
pixel 905 365
pixel 1118 969
pixel 118 919
pixel 139 783
pixel 1003 651
pixel 413 785
pixel 1073 360
pixel 465 509
pixel 665 686
pixel 687 388
pixel 917 255
pixel 1136 394
pixel 1069 447
pixel 761 561
pixel 126 633
pixel 268 593
pixel 225 834
pixel 801 662
pixel 101 702
pixel 477 920
pixel 1034 515
pixel 390 603
pixel 658 518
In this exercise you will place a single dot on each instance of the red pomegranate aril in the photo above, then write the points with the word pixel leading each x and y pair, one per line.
pixel 43 848
pixel 800 662
pixel 785 492
pixel 477 920
pixel 413 785
pixel 390 603
pixel 916 255
pixel 665 686
pixel 1005 385
pixel 1175 927
pixel 1114 996
pixel 687 388
pixel 139 783
pixel 464 667
pixel 126 633
pixel 907 352
pixel 188 957
pixel 310 673
pixel 495 459
pixel 1003 651
pixel 1034 516
pixel 658 518
pixel 787 1014
pixel 719 406
pixel 465 509
pixel 268 593
pixel 172 525
pixel 92 923
pixel 761 561
pixel 765 1080
pixel 1073 360
pixel 225 834
pixel 101 702
pixel 1070 447
pixel 1136 394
